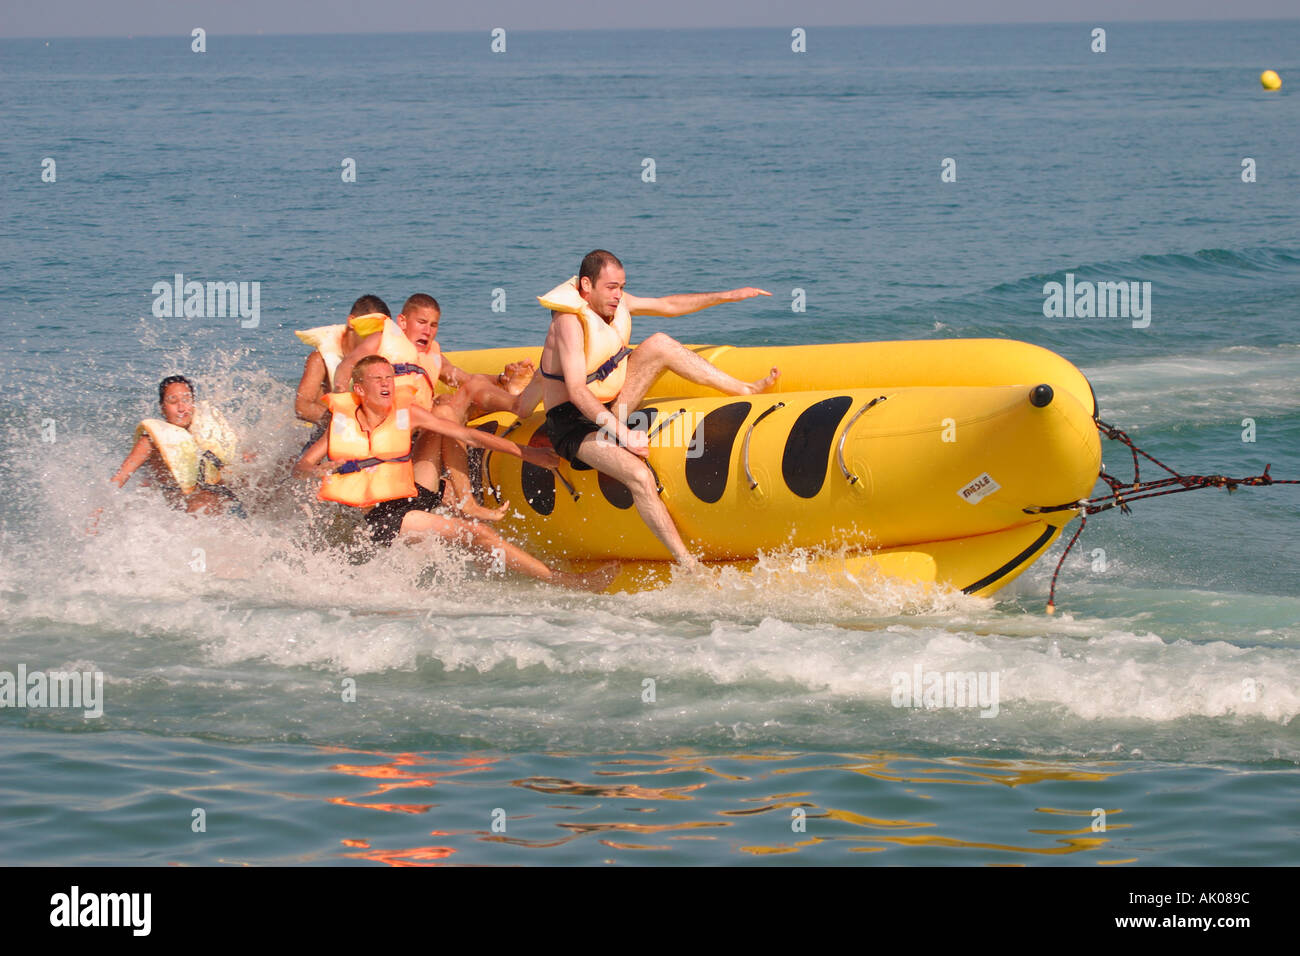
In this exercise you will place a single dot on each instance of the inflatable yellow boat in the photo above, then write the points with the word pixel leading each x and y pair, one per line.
pixel 922 460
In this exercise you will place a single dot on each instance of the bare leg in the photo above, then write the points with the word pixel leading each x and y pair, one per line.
pixel 622 465
pixel 487 396
pixel 486 541
pixel 426 459
pixel 455 465
pixel 461 491
pixel 659 353
pixel 453 406
pixel 427 453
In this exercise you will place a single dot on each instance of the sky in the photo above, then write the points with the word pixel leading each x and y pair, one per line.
pixel 120 18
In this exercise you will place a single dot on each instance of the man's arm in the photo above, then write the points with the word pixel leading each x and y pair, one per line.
pixel 671 306
pixel 369 346
pixel 309 464
pixel 307 404
pixel 472 436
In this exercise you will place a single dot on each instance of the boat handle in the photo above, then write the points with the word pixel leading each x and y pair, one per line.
pixel 660 427
pixel 839 448
pixel 659 485
pixel 568 485
pixel 487 463
pixel 655 431
pixel 745 448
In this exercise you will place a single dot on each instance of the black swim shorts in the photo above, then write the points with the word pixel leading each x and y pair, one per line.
pixel 384 520
pixel 567 428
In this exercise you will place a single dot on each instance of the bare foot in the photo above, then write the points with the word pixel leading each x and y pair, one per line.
pixel 472 509
pixel 763 384
pixel 517 376
pixel 597 580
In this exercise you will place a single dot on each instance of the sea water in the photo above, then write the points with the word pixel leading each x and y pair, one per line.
pixel 267 700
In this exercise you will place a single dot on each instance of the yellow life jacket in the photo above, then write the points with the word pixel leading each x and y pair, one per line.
pixel 373 467
pixel 605 343
pixel 416 372
pixel 328 339
pixel 196 454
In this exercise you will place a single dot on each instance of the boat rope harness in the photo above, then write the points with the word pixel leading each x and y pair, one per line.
pixel 1123 494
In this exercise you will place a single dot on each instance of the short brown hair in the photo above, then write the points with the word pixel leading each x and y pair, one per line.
pixel 592 264
pixel 421 301
pixel 369 305
pixel 365 363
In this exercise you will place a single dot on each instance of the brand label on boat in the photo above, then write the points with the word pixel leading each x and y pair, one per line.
pixel 980 487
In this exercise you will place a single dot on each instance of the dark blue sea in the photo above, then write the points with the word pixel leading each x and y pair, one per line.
pixel 915 183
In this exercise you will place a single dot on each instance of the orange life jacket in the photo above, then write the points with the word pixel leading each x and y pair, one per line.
pixel 373 467
pixel 416 372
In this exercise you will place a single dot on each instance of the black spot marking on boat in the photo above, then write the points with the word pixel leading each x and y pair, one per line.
pixel 715 436
pixel 538 483
pixel 808 446
pixel 539 488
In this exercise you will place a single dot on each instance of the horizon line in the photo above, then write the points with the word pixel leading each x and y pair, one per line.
pixel 1097 21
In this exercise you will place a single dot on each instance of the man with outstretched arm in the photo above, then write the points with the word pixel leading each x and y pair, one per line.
pixel 594 379
pixel 369 449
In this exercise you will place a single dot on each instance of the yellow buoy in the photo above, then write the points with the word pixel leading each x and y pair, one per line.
pixel 1270 80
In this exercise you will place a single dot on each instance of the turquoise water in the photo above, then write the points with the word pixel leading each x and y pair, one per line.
pixel 1164 691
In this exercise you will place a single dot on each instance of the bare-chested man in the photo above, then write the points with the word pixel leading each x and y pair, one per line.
pixel 594 378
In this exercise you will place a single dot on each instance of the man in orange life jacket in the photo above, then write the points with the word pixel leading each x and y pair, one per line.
pixel 369 466
pixel 411 345
pixel 594 378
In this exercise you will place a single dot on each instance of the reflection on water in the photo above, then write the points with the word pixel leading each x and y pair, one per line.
pixel 622 791
pixel 396 774
pixel 897 808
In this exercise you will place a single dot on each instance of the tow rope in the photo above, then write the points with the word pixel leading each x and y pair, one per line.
pixel 1123 494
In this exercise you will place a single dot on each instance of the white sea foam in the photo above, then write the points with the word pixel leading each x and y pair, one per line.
pixel 248 627
pixel 1221 386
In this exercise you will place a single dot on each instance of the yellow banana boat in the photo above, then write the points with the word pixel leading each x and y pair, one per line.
pixel 922 460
